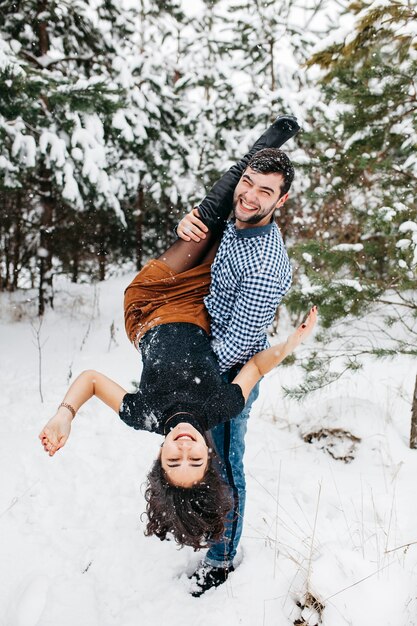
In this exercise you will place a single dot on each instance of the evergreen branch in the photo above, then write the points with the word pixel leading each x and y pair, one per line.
pixel 74 58
pixel 402 297
pixel 410 306
pixel 47 64
pixel 404 173
pixel 313 383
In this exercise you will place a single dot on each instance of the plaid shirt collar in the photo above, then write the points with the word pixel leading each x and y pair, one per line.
pixel 255 231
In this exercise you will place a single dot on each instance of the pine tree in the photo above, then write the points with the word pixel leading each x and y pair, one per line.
pixel 361 254
pixel 153 166
pixel 211 106
pixel 56 117
pixel 90 122
pixel 270 46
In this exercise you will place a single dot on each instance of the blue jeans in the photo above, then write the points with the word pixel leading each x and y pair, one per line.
pixel 229 440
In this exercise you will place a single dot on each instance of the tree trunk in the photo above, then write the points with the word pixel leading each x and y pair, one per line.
pixel 167 224
pixel 45 255
pixel 17 240
pixel 102 263
pixel 7 266
pixel 272 60
pixel 139 226
pixel 75 267
pixel 413 435
pixel 43 38
pixel 3 212
pixel 6 228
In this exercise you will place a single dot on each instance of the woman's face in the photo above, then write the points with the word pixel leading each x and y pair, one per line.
pixel 184 455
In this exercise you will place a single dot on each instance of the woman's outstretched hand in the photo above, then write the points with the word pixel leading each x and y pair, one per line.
pixel 88 384
pixel 264 361
pixel 303 331
pixel 56 432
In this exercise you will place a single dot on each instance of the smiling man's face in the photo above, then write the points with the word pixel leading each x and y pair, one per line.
pixel 184 455
pixel 256 197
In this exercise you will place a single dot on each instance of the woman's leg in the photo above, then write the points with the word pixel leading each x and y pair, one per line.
pixel 218 203
pixel 184 255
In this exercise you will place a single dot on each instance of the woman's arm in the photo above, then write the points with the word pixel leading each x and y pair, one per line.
pixel 264 361
pixel 88 384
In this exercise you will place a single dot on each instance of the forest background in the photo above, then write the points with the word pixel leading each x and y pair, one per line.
pixel 116 116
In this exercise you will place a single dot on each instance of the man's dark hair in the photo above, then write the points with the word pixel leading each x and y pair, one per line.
pixel 273 161
pixel 194 515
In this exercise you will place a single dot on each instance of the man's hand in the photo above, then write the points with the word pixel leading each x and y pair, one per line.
pixel 191 227
pixel 56 432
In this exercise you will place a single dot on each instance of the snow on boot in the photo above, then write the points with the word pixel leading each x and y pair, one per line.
pixel 206 576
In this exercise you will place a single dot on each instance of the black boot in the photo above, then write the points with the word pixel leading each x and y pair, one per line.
pixel 218 203
pixel 206 576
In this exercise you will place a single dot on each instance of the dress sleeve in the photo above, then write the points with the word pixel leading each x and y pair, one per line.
pixel 135 413
pixel 223 405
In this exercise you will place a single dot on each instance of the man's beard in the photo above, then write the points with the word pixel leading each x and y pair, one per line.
pixel 253 219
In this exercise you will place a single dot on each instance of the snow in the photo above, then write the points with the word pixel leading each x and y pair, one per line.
pixel 15 46
pixel 348 247
pixel 408 226
pixel 348 282
pixel 71 544
pixel 45 60
pixel 7 61
pixel 24 146
pixel 42 252
pixel 120 122
pixel 30 601
pixel 346 24
pixel 403 244
pixel 72 549
pixel 387 213
pixel 5 164
pixel 400 206
pixel 358 136
pixel 70 190
pixel 56 145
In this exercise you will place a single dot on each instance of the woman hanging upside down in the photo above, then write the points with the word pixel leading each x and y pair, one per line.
pixel 181 394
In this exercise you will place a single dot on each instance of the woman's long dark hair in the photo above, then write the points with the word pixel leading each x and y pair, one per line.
pixel 195 515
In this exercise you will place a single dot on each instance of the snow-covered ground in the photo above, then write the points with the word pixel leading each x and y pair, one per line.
pixel 72 549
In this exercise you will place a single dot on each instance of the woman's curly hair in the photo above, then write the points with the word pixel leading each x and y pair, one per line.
pixel 193 515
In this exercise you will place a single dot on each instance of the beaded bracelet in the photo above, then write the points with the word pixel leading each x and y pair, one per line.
pixel 69 407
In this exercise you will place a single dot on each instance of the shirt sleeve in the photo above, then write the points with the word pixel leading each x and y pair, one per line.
pixel 253 311
pixel 223 405
pixel 135 413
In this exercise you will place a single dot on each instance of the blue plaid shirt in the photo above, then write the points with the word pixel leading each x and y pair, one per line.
pixel 250 275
